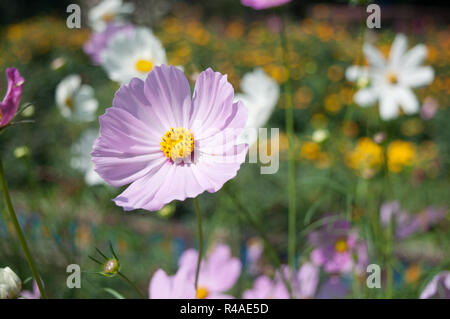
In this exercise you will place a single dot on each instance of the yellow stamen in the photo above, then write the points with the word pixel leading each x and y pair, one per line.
pixel 108 17
pixel 144 66
pixel 69 103
pixel 392 78
pixel 341 246
pixel 202 293
pixel 177 144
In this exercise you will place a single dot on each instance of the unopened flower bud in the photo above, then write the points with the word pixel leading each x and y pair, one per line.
pixel 111 267
pixel 10 284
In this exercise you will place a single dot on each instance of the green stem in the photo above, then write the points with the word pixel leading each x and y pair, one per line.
pixel 131 284
pixel 272 252
pixel 19 232
pixel 289 113
pixel 200 240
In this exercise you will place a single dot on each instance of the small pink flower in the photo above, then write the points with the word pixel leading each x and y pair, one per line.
pixel 335 246
pixel 10 103
pixel 218 272
pixel 263 4
pixel 99 40
pixel 35 294
pixel 438 287
pixel 167 144
pixel 266 288
pixel 178 286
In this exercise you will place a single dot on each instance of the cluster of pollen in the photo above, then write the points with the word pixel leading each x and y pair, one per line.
pixel 177 144
pixel 202 293
pixel 341 246
pixel 391 78
pixel 144 66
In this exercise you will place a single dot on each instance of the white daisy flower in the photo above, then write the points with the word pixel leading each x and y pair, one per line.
pixel 128 56
pixel 390 82
pixel 81 157
pixel 75 100
pixel 260 96
pixel 10 284
pixel 108 11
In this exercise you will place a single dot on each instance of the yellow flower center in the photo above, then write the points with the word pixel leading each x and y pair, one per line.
pixel 202 293
pixel 177 144
pixel 144 66
pixel 69 103
pixel 1 114
pixel 341 246
pixel 391 77
pixel 108 17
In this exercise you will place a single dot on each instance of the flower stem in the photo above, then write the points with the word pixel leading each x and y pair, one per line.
pixel 289 118
pixel 19 232
pixel 131 284
pixel 200 239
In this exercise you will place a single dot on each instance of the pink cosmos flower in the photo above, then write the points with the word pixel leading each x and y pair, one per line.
pixel 34 294
pixel 266 288
pixel 406 223
pixel 178 286
pixel 10 103
pixel 99 40
pixel 303 283
pixel 263 4
pixel 218 272
pixel 438 287
pixel 168 145
pixel 335 246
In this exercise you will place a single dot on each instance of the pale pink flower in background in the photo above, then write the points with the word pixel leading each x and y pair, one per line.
pixel 263 4
pixel 334 248
pixel 266 288
pixel 178 286
pixel 98 41
pixel 10 103
pixel 167 145
pixel 219 271
pixel 438 287
pixel 429 108
pixel 31 294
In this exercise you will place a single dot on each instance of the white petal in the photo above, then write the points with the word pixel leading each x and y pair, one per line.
pixel 355 72
pixel 415 56
pixel 417 77
pixel 407 100
pixel 374 56
pixel 366 97
pixel 398 49
pixel 388 105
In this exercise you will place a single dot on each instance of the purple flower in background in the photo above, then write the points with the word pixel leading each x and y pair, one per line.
pixel 168 145
pixel 333 288
pixel 266 288
pixel 99 40
pixel 407 224
pixel 438 287
pixel 429 108
pixel 10 103
pixel 178 286
pixel 35 294
pixel 255 250
pixel 338 248
pixel 263 4
pixel 306 281
pixel 304 284
pixel 218 272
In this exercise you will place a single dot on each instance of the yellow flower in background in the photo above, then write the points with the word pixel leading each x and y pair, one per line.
pixel 310 150
pixel 366 157
pixel 400 154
